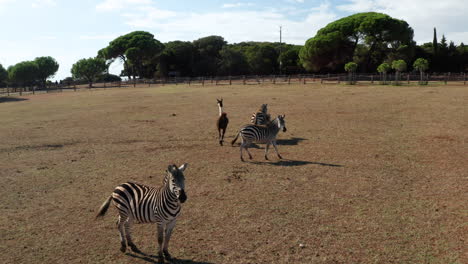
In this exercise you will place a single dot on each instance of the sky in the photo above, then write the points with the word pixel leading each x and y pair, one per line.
pixel 72 30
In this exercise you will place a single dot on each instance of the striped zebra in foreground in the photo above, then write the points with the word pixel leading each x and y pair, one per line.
pixel 261 117
pixel 144 204
pixel 261 134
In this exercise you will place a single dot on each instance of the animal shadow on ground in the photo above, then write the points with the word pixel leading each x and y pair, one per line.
pixel 292 163
pixel 284 142
pixel 290 142
pixel 154 259
pixel 11 99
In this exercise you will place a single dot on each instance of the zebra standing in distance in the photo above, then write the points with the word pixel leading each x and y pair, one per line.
pixel 144 204
pixel 221 122
pixel 261 117
pixel 261 134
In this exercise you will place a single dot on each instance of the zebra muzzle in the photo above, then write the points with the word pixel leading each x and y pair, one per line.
pixel 182 196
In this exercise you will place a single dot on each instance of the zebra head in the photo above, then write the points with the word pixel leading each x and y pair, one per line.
pixel 281 122
pixel 176 180
pixel 264 108
pixel 220 102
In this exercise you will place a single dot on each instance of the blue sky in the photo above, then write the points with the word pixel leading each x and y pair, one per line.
pixel 71 30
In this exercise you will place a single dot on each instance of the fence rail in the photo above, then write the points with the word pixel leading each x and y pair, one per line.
pixel 405 78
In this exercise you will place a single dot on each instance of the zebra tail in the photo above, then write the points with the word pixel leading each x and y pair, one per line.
pixel 104 207
pixel 234 140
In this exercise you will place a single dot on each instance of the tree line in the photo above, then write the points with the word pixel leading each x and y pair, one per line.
pixel 372 42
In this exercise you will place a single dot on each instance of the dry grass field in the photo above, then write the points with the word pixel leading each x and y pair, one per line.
pixel 371 174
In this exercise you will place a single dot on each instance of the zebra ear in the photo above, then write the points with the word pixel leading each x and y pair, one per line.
pixel 183 167
pixel 170 168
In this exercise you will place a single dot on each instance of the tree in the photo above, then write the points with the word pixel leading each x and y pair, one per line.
pixel 46 68
pixel 351 67
pixel 421 65
pixel 366 38
pixel 88 69
pixel 383 69
pixel 3 76
pixel 232 61
pixel 289 58
pixel 23 73
pixel 262 58
pixel 208 54
pixel 177 56
pixel 398 66
pixel 138 50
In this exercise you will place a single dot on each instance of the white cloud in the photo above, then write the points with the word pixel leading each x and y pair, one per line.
pixel 234 5
pixel 112 5
pixel 295 1
pixel 234 26
pixel 43 3
pixel 98 37
pixel 448 16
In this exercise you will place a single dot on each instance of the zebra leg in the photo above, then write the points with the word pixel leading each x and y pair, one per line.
pixel 241 147
pixel 169 227
pixel 128 225
pixel 160 241
pixel 248 152
pixel 276 149
pixel 266 150
pixel 120 226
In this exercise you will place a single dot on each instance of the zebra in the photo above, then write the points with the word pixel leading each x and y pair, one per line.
pixel 261 117
pixel 144 204
pixel 261 134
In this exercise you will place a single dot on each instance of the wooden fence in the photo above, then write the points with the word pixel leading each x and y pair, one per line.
pixel 405 79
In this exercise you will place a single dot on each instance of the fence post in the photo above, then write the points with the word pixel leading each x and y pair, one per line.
pixel 243 79
pixel 372 78
pixel 8 90
pixel 407 77
pixel 21 90
pixel 289 79
pixel 216 81
pixel 274 79
pixel 230 80
pixel 445 78
pixel 203 81
pixel 464 78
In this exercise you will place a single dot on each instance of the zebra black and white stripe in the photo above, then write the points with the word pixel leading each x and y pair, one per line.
pixel 144 204
pixel 261 134
pixel 261 117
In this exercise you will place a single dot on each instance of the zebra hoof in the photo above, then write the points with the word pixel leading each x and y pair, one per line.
pixel 220 142
pixel 266 158
pixel 167 255
pixel 242 159
pixel 160 258
pixel 123 249
pixel 135 249
pixel 279 156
